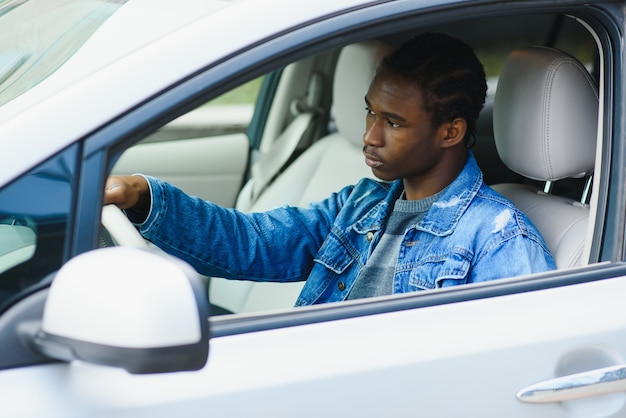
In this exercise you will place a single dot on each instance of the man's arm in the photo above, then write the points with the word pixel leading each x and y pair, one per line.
pixel 277 245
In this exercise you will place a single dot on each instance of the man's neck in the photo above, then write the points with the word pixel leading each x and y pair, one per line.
pixel 437 179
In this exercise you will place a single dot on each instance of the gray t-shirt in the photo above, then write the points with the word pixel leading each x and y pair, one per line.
pixel 376 277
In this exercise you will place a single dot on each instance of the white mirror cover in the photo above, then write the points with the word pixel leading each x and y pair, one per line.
pixel 114 304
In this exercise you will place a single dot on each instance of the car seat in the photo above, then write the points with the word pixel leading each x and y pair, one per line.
pixel 545 121
pixel 305 111
pixel 328 165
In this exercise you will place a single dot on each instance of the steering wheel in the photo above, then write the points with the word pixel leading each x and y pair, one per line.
pixel 120 229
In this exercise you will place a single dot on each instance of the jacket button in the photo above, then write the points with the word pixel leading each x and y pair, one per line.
pixel 341 286
pixel 369 236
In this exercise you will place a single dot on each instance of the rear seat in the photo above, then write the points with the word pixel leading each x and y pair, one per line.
pixel 328 165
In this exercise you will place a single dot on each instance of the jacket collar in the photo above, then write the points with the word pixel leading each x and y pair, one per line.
pixel 444 215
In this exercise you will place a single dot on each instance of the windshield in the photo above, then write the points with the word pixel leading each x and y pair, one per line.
pixel 37 37
pixel 40 37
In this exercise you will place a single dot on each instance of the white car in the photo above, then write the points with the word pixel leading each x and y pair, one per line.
pixel 254 104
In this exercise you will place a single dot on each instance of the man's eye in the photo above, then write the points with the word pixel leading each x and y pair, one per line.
pixel 392 124
pixel 369 111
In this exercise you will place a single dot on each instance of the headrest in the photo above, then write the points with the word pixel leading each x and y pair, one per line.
pixel 355 70
pixel 545 115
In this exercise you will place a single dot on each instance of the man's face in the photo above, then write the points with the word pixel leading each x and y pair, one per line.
pixel 399 139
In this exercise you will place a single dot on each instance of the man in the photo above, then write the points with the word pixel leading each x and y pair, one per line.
pixel 430 223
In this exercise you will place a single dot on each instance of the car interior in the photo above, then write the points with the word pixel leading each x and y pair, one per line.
pixel 293 135
pixel 299 138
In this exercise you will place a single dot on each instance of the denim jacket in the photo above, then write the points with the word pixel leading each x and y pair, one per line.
pixel 471 234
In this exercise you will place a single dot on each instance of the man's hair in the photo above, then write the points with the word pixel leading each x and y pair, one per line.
pixel 447 72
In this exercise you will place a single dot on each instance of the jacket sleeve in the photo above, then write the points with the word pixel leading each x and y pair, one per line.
pixel 516 256
pixel 278 245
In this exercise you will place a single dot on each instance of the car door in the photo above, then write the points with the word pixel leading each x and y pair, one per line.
pixel 469 358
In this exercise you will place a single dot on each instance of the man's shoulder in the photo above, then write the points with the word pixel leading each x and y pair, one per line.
pixel 493 197
pixel 500 211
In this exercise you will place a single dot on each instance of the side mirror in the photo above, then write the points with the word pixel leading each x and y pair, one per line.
pixel 127 307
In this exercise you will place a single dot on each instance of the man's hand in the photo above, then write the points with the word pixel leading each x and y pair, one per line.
pixel 128 192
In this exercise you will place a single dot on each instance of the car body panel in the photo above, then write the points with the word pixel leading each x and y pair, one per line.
pixel 456 359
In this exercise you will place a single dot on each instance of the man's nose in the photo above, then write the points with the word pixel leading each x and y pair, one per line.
pixel 373 135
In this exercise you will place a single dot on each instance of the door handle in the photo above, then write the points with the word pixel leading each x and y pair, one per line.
pixel 580 385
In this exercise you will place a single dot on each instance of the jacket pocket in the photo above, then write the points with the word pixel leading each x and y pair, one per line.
pixel 441 270
pixel 334 255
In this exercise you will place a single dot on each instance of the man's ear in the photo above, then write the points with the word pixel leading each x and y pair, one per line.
pixel 453 133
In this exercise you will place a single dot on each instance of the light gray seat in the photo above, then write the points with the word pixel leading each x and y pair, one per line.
pixel 264 170
pixel 545 122
pixel 328 165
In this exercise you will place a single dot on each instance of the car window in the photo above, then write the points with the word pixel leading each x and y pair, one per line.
pixel 49 34
pixel 492 49
pixel 507 33
pixel 229 113
pixel 576 40
pixel 46 46
pixel 34 213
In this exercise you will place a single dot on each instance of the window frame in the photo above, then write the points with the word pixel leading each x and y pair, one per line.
pixel 102 148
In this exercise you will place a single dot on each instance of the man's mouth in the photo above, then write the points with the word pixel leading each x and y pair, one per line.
pixel 371 160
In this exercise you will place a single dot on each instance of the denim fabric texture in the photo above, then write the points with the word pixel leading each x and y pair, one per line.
pixel 471 234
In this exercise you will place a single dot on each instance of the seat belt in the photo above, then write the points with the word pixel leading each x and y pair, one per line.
pixel 265 169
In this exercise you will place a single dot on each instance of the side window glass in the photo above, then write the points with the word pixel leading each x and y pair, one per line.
pixel 227 114
pixel 560 32
pixel 578 42
pixel 33 47
pixel 34 213
pixel 205 151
